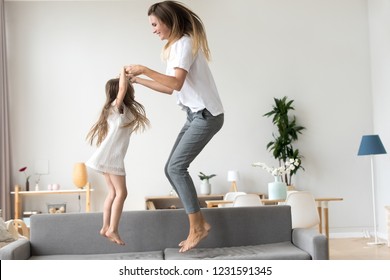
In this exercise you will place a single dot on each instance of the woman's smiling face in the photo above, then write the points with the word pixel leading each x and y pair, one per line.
pixel 159 28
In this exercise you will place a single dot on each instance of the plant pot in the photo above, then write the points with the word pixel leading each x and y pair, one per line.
pixel 205 187
pixel 277 189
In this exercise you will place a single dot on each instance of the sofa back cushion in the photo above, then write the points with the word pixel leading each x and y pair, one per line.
pixel 242 226
pixel 143 230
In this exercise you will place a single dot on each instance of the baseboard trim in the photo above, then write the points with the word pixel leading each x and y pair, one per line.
pixel 361 234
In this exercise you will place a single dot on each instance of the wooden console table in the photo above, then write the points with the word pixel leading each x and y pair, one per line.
pixel 322 207
pixel 173 202
pixel 19 194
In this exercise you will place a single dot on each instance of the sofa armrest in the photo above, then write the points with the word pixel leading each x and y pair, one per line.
pixel 311 241
pixel 17 250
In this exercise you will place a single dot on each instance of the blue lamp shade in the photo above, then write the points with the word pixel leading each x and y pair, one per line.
pixel 371 145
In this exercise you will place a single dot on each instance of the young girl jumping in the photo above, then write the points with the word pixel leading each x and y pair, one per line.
pixel 120 116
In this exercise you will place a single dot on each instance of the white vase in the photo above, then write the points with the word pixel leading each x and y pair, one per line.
pixel 205 187
pixel 277 189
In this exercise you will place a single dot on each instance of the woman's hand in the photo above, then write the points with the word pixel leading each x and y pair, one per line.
pixel 134 70
pixel 158 81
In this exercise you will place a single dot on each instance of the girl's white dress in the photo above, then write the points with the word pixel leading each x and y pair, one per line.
pixel 109 156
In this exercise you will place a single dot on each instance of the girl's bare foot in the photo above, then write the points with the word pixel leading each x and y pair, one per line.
pixel 114 237
pixel 196 235
pixel 103 231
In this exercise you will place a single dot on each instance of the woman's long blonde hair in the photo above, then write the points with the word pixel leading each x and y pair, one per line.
pixel 100 128
pixel 181 21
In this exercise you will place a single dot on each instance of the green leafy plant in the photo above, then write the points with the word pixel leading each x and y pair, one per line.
pixel 288 130
pixel 203 176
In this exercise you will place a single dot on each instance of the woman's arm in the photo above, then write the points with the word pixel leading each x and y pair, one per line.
pixel 152 85
pixel 160 82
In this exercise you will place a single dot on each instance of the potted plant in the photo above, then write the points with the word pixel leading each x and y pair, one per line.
pixel 23 169
pixel 278 189
pixel 205 187
pixel 287 133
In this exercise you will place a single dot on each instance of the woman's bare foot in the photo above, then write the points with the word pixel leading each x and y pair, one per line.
pixel 195 236
pixel 114 237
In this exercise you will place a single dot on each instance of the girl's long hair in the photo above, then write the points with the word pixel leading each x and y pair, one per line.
pixel 138 123
pixel 181 21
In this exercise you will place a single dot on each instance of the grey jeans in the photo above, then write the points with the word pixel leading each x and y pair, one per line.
pixel 198 130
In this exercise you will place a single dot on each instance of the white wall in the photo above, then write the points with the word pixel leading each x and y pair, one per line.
pixel 314 51
pixel 379 12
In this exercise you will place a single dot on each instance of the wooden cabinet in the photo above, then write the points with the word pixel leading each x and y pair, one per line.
pixel 19 195
pixel 173 202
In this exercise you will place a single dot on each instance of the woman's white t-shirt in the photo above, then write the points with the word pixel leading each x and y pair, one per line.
pixel 199 90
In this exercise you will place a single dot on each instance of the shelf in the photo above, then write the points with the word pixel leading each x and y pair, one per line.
pixel 19 194
pixel 53 192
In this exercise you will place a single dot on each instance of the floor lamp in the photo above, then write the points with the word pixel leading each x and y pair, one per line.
pixel 372 145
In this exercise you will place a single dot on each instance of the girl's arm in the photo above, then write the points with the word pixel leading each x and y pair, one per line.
pixel 123 83
pixel 160 82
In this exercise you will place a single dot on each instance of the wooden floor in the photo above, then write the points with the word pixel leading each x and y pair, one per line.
pixel 357 249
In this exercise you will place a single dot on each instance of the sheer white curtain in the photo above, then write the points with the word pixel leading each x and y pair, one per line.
pixel 5 173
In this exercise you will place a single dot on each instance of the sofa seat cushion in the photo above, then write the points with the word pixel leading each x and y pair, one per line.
pixel 153 255
pixel 273 251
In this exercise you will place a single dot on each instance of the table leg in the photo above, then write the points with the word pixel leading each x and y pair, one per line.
pixel 150 205
pixel 88 198
pixel 319 209
pixel 17 202
pixel 326 218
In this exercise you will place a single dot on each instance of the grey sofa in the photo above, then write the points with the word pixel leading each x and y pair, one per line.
pixel 237 233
